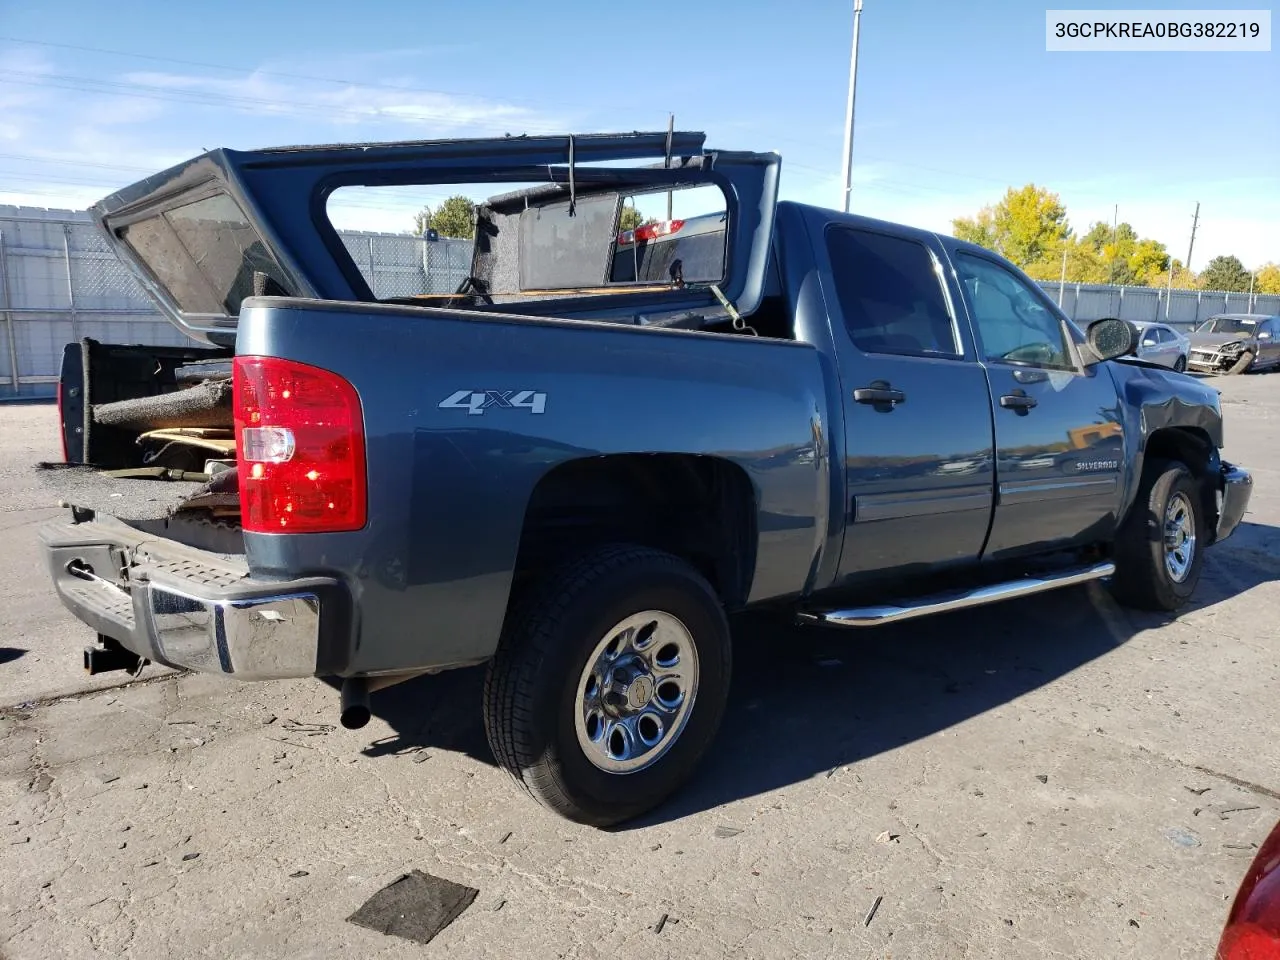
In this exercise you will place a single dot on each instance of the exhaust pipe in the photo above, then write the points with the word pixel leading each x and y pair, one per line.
pixel 355 711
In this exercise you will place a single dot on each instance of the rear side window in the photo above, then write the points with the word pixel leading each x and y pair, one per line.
pixel 204 254
pixel 890 294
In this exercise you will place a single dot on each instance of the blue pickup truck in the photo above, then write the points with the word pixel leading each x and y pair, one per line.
pixel 573 465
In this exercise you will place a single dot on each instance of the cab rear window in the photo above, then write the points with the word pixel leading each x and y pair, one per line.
pixel 692 252
pixel 203 253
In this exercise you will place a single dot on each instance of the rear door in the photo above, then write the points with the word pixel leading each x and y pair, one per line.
pixel 1059 435
pixel 206 235
pixel 917 411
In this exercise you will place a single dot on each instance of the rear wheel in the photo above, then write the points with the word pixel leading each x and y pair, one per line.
pixel 1159 549
pixel 1243 364
pixel 609 684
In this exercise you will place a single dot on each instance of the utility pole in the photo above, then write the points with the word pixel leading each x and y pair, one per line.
pixel 1191 246
pixel 671 131
pixel 848 122
pixel 1115 244
pixel 1252 277
pixel 1062 281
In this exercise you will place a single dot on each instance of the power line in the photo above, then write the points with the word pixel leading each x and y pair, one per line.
pixel 211 98
pixel 75 163
pixel 266 73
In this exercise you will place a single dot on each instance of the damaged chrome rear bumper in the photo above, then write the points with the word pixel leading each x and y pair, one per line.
pixel 188 609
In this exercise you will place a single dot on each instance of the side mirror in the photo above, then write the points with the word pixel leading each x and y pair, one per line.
pixel 1110 338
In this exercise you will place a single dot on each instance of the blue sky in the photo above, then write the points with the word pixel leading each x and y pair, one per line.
pixel 955 101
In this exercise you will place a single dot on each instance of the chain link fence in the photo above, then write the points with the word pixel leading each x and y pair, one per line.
pixel 1182 309
pixel 60 282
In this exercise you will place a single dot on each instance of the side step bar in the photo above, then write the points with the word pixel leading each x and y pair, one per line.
pixel 944 603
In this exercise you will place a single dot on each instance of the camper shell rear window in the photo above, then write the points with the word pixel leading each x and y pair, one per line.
pixel 204 253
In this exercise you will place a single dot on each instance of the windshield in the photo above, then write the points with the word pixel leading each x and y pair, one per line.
pixel 1228 325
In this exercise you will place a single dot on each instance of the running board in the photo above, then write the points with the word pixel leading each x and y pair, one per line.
pixel 944 603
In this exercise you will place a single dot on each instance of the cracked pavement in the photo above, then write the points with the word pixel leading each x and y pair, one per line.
pixel 1047 778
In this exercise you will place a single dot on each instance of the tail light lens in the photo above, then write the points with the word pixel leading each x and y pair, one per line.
pixel 650 231
pixel 1252 931
pixel 300 448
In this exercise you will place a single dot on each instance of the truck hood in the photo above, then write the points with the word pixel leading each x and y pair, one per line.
pixel 207 234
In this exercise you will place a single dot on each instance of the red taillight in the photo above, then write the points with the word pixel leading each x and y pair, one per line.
pixel 650 231
pixel 1253 927
pixel 299 448
pixel 1248 942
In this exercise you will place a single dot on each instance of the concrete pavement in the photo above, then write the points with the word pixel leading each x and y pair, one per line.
pixel 1047 778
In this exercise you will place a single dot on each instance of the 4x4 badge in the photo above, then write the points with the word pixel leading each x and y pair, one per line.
pixel 478 401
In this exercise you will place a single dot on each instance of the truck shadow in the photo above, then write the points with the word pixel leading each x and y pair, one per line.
pixel 806 701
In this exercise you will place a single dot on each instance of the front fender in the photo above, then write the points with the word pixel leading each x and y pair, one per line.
pixel 1153 399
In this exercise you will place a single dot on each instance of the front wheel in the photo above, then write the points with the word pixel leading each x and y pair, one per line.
pixel 1243 364
pixel 1180 365
pixel 1159 549
pixel 609 684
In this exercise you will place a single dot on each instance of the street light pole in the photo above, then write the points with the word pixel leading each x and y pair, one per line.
pixel 848 123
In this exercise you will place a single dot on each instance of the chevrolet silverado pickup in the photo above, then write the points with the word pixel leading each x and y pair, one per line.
pixel 575 463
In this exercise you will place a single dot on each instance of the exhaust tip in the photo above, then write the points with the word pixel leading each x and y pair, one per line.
pixel 354 712
pixel 353 718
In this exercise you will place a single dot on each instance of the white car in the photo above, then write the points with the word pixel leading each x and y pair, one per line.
pixel 1160 343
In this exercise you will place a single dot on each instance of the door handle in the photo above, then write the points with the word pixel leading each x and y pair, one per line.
pixel 1018 401
pixel 879 395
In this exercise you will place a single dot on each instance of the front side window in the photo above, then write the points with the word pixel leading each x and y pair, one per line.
pixel 1013 323
pixel 890 294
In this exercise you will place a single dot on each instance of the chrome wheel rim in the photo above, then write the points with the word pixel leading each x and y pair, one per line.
pixel 1179 537
pixel 636 692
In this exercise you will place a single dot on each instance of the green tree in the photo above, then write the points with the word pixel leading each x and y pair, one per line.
pixel 1084 263
pixel 1183 279
pixel 1225 273
pixel 1267 279
pixel 1118 255
pixel 456 217
pixel 1148 259
pixel 1025 226
pixel 630 218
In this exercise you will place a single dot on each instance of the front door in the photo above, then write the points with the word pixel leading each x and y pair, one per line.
pixel 1153 348
pixel 917 411
pixel 1058 432
pixel 1269 341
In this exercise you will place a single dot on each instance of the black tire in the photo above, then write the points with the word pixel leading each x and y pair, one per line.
pixel 1242 365
pixel 1143 579
pixel 531 687
pixel 1180 365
